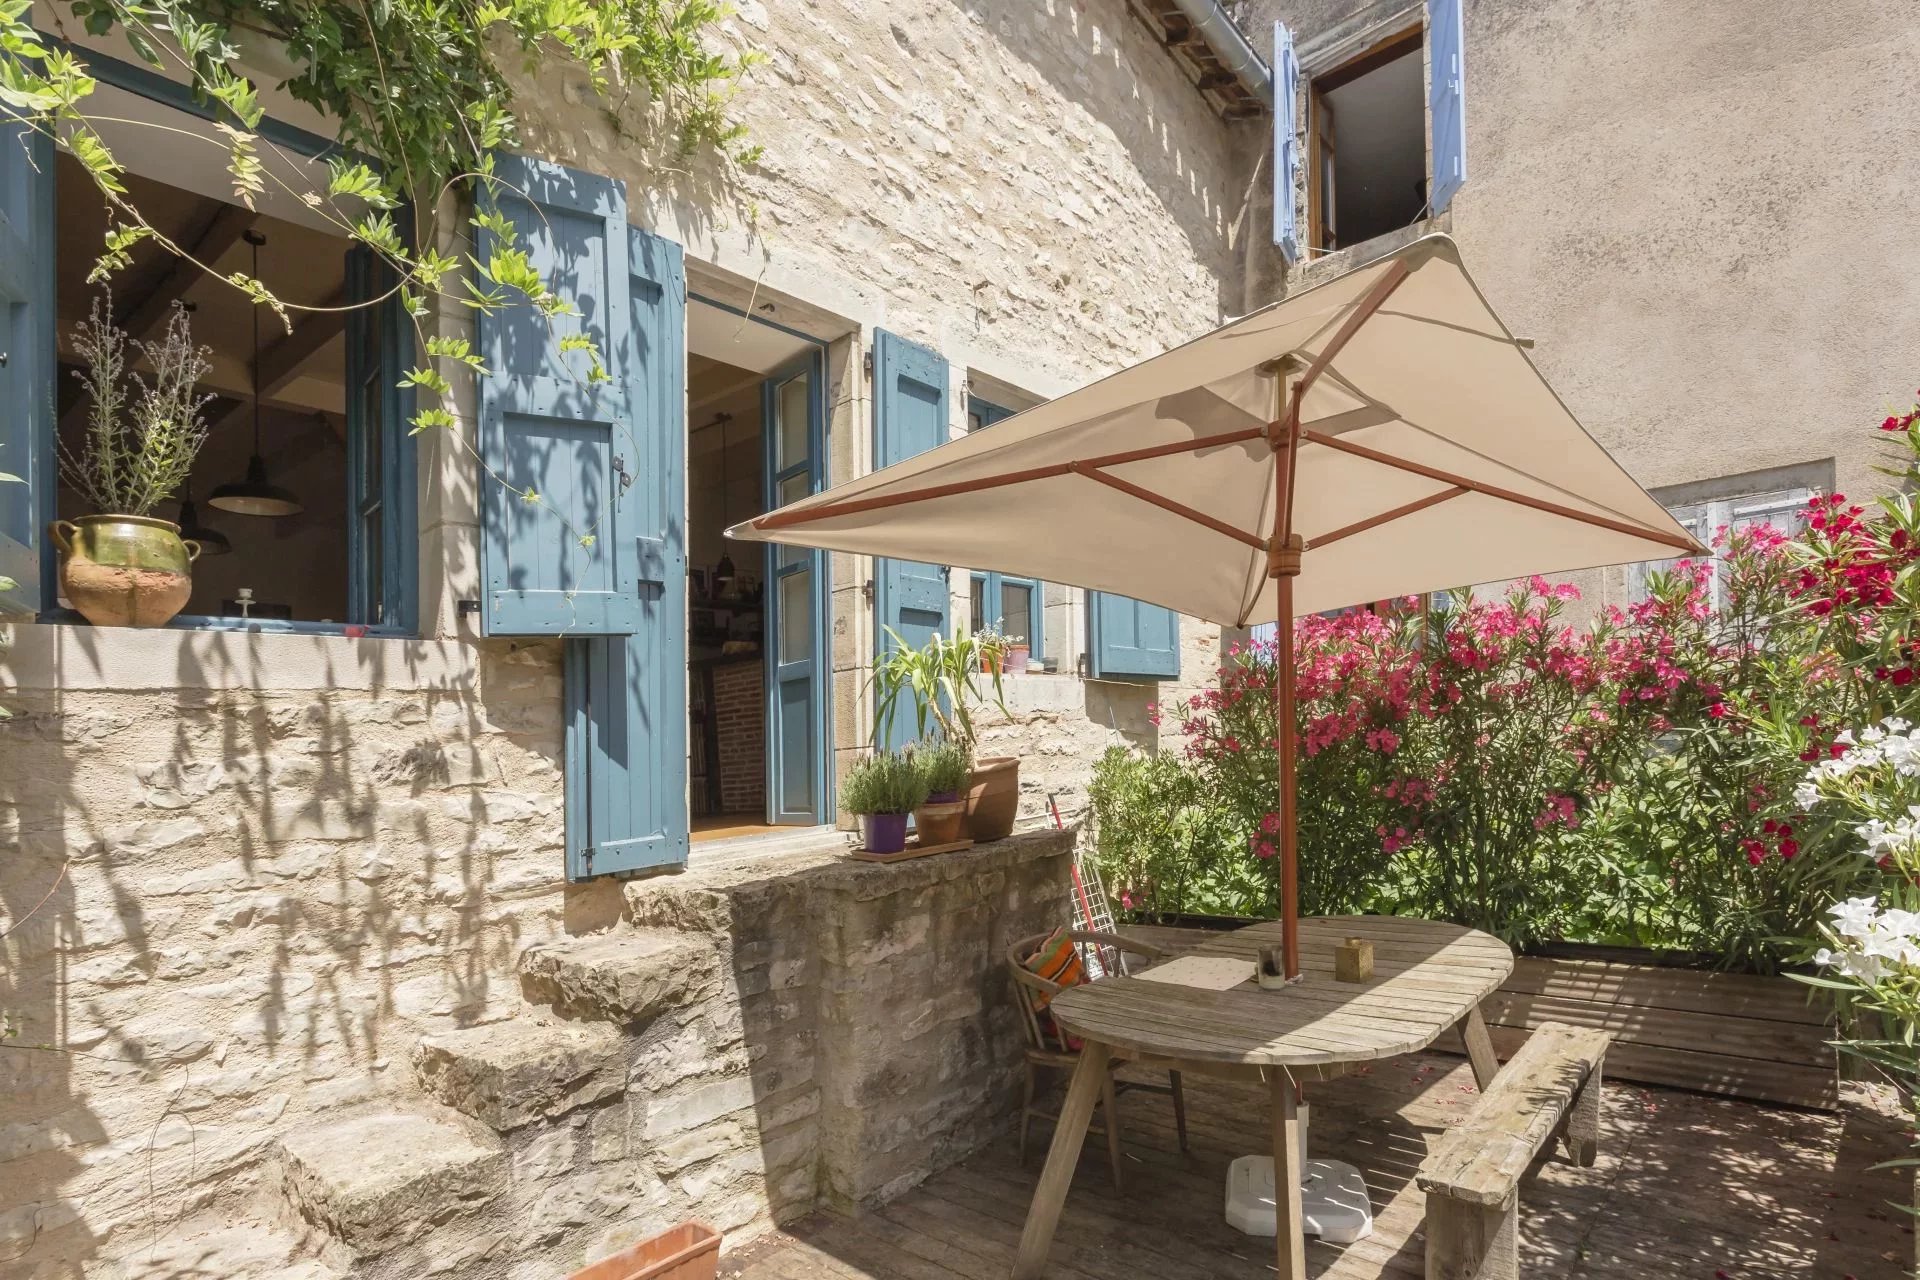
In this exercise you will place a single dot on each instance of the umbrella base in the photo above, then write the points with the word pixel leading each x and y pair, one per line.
pixel 1333 1199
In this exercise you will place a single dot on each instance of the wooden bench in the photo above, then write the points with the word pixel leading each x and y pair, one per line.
pixel 1472 1173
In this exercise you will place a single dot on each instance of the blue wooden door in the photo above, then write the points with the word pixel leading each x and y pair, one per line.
pixel 26 370
pixel 793 411
pixel 560 554
pixel 909 417
pixel 626 747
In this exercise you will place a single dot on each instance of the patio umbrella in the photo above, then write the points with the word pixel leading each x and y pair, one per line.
pixel 1378 435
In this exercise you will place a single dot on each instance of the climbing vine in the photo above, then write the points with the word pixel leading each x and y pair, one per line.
pixel 422 93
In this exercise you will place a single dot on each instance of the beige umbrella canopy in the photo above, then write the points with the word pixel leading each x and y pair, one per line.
pixel 1378 435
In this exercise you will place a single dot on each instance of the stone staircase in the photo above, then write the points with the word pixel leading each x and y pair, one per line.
pixel 505 1109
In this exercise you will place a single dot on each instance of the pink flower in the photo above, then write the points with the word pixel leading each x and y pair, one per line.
pixel 1270 823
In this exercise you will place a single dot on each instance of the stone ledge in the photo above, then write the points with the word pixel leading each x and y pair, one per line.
pixel 509 1074
pixel 625 976
pixel 708 899
pixel 373 1182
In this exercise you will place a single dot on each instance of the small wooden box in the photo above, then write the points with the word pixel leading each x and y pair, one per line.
pixel 1353 960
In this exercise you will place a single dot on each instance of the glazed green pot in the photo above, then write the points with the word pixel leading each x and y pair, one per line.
pixel 124 571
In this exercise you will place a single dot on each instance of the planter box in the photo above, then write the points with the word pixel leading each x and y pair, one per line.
pixel 690 1251
pixel 1737 1034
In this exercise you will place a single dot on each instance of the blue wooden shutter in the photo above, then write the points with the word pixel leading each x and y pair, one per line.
pixel 1447 98
pixel 1129 640
pixel 27 374
pixel 1286 143
pixel 909 417
pixel 626 746
pixel 559 549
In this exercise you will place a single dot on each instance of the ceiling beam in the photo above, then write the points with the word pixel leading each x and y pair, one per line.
pixel 280 362
pixel 222 231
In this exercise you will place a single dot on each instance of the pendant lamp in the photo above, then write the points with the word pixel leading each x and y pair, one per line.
pixel 256 495
pixel 212 541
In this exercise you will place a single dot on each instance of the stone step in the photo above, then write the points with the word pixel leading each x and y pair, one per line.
pixel 221 1246
pixel 534 1067
pixel 625 976
pixel 372 1183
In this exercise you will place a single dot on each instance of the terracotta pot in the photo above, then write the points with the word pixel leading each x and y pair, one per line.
pixel 124 571
pixel 690 1251
pixel 993 798
pixel 940 820
pixel 1017 658
pixel 886 832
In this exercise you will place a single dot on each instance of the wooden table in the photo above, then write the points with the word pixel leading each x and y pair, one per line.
pixel 1427 977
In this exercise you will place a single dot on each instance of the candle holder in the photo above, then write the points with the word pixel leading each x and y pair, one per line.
pixel 1353 960
pixel 1271 969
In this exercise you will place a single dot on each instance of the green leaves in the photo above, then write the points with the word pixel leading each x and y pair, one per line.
pixel 121 238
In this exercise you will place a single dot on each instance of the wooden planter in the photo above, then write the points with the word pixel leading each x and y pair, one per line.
pixel 690 1251
pixel 1737 1034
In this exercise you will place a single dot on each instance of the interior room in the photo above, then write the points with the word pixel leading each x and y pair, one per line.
pixel 731 363
pixel 726 740
pixel 1373 145
pixel 268 496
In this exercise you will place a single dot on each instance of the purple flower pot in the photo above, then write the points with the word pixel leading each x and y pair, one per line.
pixel 886 832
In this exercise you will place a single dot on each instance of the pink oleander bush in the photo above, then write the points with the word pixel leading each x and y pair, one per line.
pixel 1638 778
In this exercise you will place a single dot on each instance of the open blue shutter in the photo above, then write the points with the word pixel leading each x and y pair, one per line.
pixel 1447 98
pixel 909 417
pixel 1129 640
pixel 559 550
pixel 626 694
pixel 27 371
pixel 383 542
pixel 1286 143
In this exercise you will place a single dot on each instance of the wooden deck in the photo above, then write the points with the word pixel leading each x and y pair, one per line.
pixel 1687 1186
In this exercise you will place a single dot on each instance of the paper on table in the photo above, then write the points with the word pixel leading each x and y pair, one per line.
pixel 1209 973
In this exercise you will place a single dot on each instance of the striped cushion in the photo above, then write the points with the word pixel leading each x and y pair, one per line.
pixel 1058 961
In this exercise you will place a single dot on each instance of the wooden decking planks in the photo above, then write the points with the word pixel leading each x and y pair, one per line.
pixel 1686 1185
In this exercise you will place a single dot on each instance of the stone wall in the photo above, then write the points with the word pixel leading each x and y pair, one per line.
pixel 262 940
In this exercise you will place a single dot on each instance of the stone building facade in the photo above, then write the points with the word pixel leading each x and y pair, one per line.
pixel 278 903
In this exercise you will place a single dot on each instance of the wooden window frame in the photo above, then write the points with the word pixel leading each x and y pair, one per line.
pixel 1322 142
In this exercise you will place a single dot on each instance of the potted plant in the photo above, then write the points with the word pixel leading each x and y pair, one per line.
pixel 121 566
pixel 946 769
pixel 1018 655
pixel 883 790
pixel 943 680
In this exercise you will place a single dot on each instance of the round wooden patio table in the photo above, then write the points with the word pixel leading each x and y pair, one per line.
pixel 1427 977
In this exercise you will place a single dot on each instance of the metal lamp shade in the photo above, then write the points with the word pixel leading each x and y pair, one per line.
pixel 256 495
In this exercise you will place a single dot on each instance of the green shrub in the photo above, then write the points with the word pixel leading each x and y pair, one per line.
pixel 889 782
pixel 944 766
pixel 1164 844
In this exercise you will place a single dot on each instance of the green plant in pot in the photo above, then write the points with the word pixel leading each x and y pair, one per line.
pixel 122 567
pixel 944 681
pixel 947 769
pixel 883 790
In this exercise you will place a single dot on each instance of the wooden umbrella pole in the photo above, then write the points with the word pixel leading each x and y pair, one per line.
pixel 1283 565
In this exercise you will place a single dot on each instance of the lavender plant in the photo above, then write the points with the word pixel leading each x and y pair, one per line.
pixel 143 433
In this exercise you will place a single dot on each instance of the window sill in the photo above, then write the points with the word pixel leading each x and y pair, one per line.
pixel 248 626
pixel 54 654
pixel 1324 267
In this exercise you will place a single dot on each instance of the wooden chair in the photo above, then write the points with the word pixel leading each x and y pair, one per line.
pixel 1048 1048
pixel 1472 1173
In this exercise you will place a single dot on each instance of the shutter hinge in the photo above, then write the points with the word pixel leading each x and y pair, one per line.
pixel 586 859
pixel 866 363
pixel 866 589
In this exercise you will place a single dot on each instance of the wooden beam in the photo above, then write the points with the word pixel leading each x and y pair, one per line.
pixel 1168 504
pixel 280 362
pixel 1684 544
pixel 854 506
pixel 1372 522
pixel 222 231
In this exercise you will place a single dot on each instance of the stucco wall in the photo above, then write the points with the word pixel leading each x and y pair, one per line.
pixel 1700 212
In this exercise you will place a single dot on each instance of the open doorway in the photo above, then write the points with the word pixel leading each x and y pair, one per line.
pixel 1368 144
pixel 756 679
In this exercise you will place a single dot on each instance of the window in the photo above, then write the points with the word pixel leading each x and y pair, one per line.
pixel 1370 114
pixel 1784 509
pixel 303 496
pixel 1016 606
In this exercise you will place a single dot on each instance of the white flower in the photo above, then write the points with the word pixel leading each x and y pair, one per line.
pixel 1805 796
pixel 1845 737
pixel 1855 917
pixel 1894 724
pixel 1826 959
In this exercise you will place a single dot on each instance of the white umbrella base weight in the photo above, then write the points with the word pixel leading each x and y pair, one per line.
pixel 1333 1199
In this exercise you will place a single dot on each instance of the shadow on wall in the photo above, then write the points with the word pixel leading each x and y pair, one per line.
pixel 229 908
